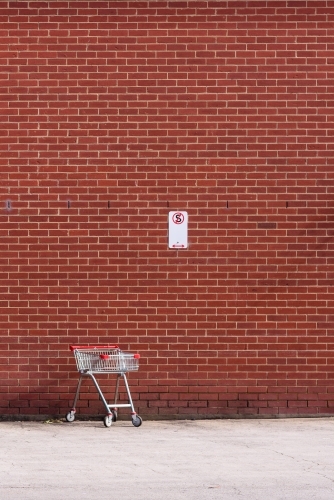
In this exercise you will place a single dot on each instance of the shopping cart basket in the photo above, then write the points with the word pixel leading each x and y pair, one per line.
pixel 105 359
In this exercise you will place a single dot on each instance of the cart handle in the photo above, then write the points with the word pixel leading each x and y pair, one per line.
pixel 107 356
pixel 90 347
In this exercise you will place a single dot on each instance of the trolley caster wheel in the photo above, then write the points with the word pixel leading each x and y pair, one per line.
pixel 70 417
pixel 108 420
pixel 137 421
pixel 114 415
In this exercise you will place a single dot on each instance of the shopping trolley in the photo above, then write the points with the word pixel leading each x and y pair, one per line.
pixel 92 360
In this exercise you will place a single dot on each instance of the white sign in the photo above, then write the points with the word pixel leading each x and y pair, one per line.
pixel 178 230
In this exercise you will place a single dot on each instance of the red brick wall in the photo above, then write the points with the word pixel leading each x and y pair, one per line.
pixel 113 114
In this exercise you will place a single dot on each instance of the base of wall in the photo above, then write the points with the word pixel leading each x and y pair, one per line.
pixel 51 419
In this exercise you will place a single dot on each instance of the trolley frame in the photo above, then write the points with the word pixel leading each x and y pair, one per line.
pixel 99 359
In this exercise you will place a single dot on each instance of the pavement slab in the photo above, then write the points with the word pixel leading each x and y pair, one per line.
pixel 251 459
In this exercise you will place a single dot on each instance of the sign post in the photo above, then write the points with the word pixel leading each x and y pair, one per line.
pixel 178 230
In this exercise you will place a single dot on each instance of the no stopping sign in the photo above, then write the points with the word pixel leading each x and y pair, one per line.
pixel 178 217
pixel 178 230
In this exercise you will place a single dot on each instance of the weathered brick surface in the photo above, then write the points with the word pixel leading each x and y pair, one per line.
pixel 114 113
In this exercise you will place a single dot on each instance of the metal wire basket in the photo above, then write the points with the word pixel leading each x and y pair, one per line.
pixel 104 359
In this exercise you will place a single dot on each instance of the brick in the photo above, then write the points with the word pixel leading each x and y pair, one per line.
pixel 108 125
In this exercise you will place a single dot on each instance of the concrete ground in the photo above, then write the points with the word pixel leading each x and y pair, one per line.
pixel 167 460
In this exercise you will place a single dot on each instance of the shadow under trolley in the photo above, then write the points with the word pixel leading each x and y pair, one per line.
pixel 99 359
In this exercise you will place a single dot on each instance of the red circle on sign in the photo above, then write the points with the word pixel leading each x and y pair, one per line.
pixel 178 218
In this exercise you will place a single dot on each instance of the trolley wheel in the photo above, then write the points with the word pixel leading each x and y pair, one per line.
pixel 70 417
pixel 137 421
pixel 108 420
pixel 114 415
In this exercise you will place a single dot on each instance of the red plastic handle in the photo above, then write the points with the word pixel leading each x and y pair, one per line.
pixel 104 356
pixel 90 347
pixel 136 356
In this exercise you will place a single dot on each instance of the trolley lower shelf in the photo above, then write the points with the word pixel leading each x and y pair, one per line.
pixel 92 360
